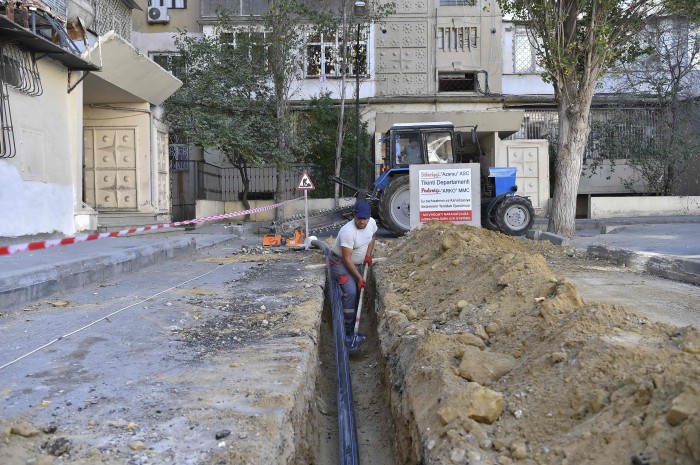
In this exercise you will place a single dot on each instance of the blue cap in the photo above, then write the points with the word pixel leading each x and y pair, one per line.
pixel 362 210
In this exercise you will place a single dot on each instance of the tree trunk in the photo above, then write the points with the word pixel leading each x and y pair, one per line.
pixel 573 135
pixel 245 179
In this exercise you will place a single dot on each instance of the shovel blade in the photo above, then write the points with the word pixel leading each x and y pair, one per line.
pixel 354 342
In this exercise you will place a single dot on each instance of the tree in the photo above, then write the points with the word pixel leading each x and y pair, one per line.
pixel 225 101
pixel 320 129
pixel 667 78
pixel 577 41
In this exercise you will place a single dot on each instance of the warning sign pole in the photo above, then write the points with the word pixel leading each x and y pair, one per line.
pixel 306 185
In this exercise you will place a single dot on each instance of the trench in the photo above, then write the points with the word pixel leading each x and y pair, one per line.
pixel 375 428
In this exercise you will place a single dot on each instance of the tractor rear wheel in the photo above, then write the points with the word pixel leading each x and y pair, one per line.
pixel 394 206
pixel 515 216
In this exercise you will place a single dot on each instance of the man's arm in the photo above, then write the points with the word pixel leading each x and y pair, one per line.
pixel 347 260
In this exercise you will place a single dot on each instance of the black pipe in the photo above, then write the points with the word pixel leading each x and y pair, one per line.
pixel 347 430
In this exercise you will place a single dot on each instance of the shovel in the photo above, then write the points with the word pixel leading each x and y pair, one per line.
pixel 356 339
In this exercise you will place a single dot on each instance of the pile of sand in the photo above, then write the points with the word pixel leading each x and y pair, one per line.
pixel 493 359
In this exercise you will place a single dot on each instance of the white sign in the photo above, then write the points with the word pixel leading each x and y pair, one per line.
pixel 445 195
pixel 305 183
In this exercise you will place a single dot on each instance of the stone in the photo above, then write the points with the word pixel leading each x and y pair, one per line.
pixel 57 447
pixel 518 450
pixel 474 401
pixel 457 455
pixel 461 304
pixel 25 429
pixel 558 357
pixel 492 327
pixel 599 399
pixel 222 434
pixel 471 340
pixel 484 367
pixel 682 407
pixel 137 445
pixel 481 332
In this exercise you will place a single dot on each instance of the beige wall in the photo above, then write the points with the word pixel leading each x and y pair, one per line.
pixel 611 207
pixel 410 53
pixel 36 186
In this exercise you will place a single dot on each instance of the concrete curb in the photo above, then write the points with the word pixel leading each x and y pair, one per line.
pixel 32 284
pixel 676 268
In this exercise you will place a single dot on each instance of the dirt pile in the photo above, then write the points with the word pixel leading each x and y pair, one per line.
pixel 493 359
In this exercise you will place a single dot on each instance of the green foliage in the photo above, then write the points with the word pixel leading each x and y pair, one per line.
pixel 225 101
pixel 319 129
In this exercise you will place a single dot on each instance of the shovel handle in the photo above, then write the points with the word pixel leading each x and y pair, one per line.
pixel 359 303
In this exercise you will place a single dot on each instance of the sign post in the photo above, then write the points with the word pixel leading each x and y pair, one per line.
pixel 306 185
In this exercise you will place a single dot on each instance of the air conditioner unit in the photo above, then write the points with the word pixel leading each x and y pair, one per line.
pixel 158 14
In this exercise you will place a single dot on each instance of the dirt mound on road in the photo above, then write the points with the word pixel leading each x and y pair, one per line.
pixel 493 359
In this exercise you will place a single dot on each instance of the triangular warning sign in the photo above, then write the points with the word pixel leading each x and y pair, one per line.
pixel 305 183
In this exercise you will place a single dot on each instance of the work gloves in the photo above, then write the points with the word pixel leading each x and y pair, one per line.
pixel 361 284
pixel 368 260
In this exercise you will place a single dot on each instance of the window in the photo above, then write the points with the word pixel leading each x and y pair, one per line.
pixel 456 2
pixel 439 146
pixel 524 57
pixel 179 152
pixel 251 38
pixel 457 39
pixel 173 4
pixel 451 81
pixel 323 54
pixel 170 61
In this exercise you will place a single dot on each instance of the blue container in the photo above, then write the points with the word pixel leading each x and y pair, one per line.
pixel 504 177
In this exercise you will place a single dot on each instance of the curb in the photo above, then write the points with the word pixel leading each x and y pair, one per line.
pixel 39 282
pixel 671 267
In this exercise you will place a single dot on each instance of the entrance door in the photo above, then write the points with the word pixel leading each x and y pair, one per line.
pixel 110 168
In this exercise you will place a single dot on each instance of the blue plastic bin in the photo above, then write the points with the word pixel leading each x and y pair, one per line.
pixel 504 177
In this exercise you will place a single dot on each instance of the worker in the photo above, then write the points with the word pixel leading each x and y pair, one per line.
pixel 411 151
pixel 352 248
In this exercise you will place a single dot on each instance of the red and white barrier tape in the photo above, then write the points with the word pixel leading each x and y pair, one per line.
pixel 11 249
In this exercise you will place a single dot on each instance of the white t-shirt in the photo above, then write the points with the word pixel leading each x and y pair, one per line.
pixel 356 239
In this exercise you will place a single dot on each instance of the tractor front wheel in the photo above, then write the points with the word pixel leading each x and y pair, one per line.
pixel 394 206
pixel 515 216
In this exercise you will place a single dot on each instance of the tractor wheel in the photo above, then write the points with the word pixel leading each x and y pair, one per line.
pixel 515 216
pixel 394 206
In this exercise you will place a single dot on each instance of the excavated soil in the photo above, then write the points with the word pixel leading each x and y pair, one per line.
pixel 492 358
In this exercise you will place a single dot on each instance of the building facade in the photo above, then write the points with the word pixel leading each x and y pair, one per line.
pixel 82 144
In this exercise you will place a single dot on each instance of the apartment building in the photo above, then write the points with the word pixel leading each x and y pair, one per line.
pixel 82 145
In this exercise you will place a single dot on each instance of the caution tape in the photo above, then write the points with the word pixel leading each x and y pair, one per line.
pixel 12 249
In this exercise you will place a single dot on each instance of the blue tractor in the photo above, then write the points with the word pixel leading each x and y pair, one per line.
pixel 405 144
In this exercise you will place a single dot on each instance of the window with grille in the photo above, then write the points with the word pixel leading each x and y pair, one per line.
pixel 174 4
pixel 179 157
pixel 524 57
pixel 252 38
pixel 457 39
pixel 323 54
pixel 457 81
pixel 457 2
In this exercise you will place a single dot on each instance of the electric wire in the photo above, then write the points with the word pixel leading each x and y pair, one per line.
pixel 105 318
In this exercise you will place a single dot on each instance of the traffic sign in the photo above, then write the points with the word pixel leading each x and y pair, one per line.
pixel 305 183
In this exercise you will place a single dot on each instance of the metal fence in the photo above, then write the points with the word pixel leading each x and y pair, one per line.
pixel 626 123
pixel 192 180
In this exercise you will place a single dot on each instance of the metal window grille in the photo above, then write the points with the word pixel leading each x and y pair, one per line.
pixel 457 2
pixel 457 82
pixel 524 57
pixel 457 39
pixel 179 156
pixel 172 4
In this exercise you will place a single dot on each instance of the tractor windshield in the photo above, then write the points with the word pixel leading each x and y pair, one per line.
pixel 407 148
pixel 439 146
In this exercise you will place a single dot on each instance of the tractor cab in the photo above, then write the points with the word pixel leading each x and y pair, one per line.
pixel 418 143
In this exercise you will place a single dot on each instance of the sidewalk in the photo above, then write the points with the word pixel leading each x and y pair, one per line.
pixel 29 276
pixel 666 246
